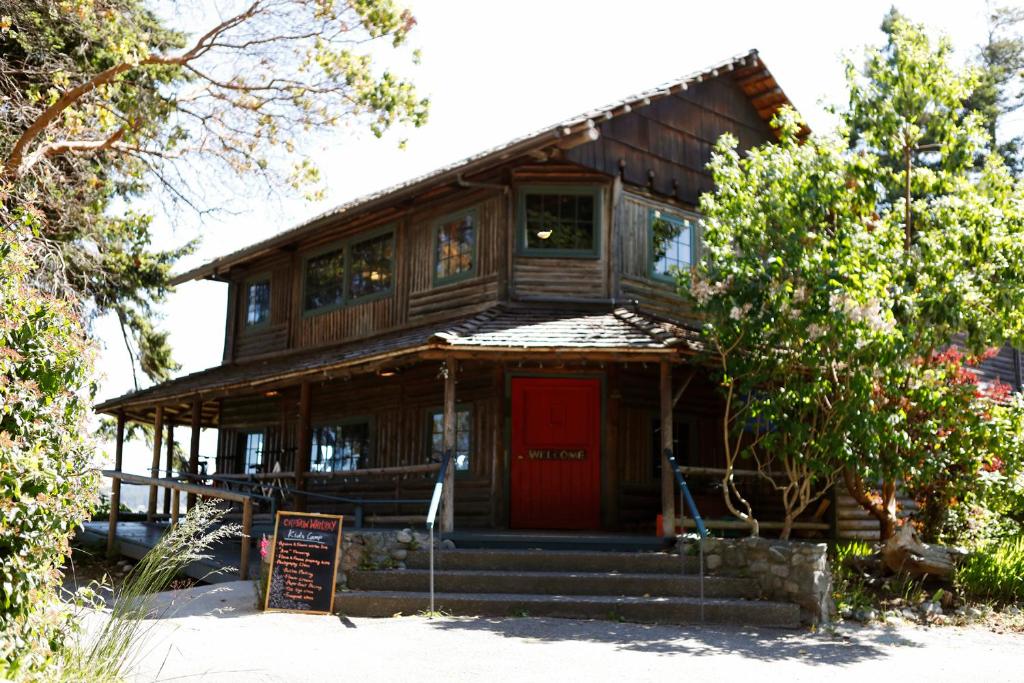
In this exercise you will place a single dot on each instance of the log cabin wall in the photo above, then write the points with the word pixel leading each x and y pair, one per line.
pixel 415 297
pixel 398 411
pixel 536 276
pixel 429 300
pixel 271 335
pixel 698 436
pixel 633 247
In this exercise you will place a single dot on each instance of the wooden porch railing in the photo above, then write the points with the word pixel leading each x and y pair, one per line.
pixel 177 488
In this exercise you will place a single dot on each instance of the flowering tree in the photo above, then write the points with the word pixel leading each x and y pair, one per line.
pixel 961 268
pixel 798 314
pixel 839 267
pixel 46 483
pixel 968 433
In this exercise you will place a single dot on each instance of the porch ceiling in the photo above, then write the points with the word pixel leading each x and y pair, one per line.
pixel 500 332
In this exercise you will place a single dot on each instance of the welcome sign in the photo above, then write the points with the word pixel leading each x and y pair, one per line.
pixel 303 562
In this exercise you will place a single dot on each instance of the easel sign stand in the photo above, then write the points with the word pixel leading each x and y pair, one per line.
pixel 303 563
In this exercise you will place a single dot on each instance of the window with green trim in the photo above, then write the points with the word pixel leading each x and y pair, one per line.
pixel 325 280
pixel 463 429
pixel 340 448
pixel 672 239
pixel 373 261
pixel 257 307
pixel 560 221
pixel 455 247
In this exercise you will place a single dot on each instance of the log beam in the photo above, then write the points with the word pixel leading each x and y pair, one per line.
pixel 305 444
pixel 193 451
pixel 169 465
pixel 115 487
pixel 154 470
pixel 448 497
pixel 668 499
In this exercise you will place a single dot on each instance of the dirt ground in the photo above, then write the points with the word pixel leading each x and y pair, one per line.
pixel 213 633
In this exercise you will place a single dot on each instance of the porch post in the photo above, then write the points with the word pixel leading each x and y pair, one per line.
pixel 193 452
pixel 305 444
pixel 448 509
pixel 115 486
pixel 668 502
pixel 169 469
pixel 154 470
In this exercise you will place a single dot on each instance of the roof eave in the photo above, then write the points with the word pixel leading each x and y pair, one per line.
pixel 216 268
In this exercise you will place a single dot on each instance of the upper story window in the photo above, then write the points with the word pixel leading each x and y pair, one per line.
pixel 252 452
pixel 673 243
pixel 340 448
pixel 560 221
pixel 373 261
pixel 463 428
pixel 257 308
pixel 324 285
pixel 455 248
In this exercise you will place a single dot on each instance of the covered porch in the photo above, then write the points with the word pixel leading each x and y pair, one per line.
pixel 556 419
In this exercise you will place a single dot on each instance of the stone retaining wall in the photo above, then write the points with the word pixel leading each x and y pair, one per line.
pixel 789 571
pixel 377 549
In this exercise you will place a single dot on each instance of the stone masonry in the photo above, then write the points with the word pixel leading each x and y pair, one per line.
pixel 789 571
pixel 377 549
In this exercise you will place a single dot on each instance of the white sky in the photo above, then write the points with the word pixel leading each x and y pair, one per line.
pixel 497 70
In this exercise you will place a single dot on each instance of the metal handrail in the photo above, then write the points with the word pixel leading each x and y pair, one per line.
pixel 435 503
pixel 684 493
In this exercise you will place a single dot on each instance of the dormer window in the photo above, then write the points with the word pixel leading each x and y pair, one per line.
pixel 673 243
pixel 257 309
pixel 455 248
pixel 560 220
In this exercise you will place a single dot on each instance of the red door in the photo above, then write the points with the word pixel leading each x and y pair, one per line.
pixel 556 453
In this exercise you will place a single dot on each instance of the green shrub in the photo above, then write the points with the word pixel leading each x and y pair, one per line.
pixel 994 573
pixel 47 485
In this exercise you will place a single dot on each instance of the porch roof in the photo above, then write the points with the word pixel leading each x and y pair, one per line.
pixel 572 333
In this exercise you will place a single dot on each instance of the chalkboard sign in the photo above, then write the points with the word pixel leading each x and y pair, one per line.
pixel 303 562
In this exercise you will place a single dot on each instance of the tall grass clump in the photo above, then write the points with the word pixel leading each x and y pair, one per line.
pixel 994 572
pixel 850 588
pixel 111 652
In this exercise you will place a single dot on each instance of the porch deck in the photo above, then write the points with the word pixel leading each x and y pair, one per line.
pixel 135 539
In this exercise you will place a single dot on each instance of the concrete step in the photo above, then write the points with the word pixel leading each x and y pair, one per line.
pixel 661 610
pixel 553 561
pixel 552 583
pixel 557 540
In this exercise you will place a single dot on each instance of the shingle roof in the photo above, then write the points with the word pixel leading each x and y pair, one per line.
pixel 502 327
pixel 757 83
pixel 536 328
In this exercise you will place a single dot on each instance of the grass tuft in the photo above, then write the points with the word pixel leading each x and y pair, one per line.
pixel 111 653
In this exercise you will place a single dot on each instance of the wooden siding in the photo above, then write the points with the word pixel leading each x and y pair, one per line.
pixel 547 277
pixel 272 335
pixel 427 300
pixel 665 146
pixel 1005 366
pixel 398 410
pixel 632 263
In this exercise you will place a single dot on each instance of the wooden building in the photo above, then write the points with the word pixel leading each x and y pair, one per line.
pixel 517 308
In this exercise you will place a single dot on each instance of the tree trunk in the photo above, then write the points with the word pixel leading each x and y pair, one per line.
pixel 884 511
pixel 787 528
pixel 904 553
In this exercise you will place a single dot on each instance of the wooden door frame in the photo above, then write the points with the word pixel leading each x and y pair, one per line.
pixel 602 379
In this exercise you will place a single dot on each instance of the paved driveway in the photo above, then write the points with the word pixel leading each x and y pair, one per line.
pixel 214 634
